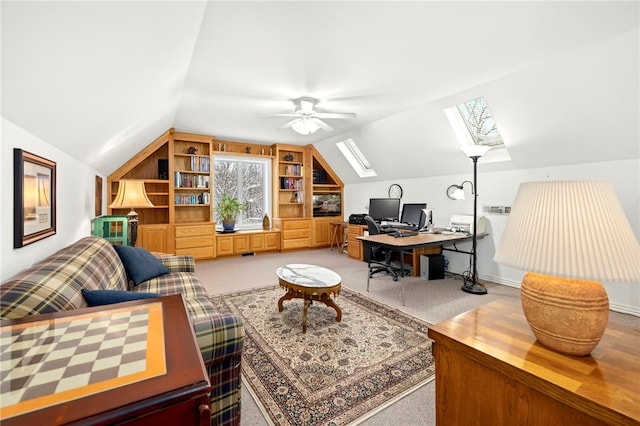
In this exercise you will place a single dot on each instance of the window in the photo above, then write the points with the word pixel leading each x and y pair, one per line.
pixel 355 157
pixel 473 124
pixel 249 180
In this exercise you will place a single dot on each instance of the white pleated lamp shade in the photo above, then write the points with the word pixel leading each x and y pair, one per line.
pixel 572 229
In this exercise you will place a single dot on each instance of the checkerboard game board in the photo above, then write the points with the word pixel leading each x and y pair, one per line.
pixel 44 363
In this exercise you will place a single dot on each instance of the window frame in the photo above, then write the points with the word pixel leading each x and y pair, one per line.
pixel 267 188
pixel 356 158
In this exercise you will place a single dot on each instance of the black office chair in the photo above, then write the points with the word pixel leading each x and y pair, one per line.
pixel 379 257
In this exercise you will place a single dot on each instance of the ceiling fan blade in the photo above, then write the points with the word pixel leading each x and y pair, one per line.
pixel 324 126
pixel 284 114
pixel 335 115
pixel 287 125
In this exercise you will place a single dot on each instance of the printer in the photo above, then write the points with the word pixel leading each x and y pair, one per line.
pixel 464 223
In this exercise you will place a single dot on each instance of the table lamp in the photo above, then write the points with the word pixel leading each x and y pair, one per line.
pixel 131 194
pixel 570 235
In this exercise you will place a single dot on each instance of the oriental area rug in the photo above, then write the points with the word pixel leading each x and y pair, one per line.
pixel 337 373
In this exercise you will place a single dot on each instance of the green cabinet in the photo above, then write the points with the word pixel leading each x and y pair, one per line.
pixel 112 228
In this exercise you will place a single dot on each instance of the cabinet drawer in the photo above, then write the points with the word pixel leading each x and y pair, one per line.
pixel 354 249
pixel 295 224
pixel 197 252
pixel 195 230
pixel 297 243
pixel 296 233
pixel 190 242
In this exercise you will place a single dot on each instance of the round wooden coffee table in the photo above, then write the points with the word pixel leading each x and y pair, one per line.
pixel 309 282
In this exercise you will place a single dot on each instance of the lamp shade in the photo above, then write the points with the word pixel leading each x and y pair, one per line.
pixel 305 126
pixel 476 151
pixel 458 193
pixel 131 194
pixel 574 229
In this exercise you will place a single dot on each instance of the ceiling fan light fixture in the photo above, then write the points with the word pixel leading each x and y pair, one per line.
pixel 304 126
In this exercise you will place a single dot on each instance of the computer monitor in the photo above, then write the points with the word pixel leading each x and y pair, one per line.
pixel 412 212
pixel 384 208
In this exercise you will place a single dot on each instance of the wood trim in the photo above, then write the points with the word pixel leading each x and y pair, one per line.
pixel 318 157
pixel 144 153
pixel 192 137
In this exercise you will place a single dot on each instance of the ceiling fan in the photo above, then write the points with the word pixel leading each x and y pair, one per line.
pixel 307 119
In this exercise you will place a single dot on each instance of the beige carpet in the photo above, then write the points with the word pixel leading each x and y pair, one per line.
pixel 337 373
pixel 431 301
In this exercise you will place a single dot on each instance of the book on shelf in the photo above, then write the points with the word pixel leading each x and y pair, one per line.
pixel 187 180
pixel 293 169
pixel 203 198
pixel 200 164
pixel 290 183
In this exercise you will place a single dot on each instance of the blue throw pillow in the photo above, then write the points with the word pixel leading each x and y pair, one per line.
pixel 139 264
pixel 108 297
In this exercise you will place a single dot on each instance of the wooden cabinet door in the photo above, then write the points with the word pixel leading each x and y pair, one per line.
pixel 320 232
pixel 224 245
pixel 155 238
pixel 241 244
pixel 272 241
pixel 257 242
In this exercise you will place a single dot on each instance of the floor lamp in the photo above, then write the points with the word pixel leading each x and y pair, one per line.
pixel 455 192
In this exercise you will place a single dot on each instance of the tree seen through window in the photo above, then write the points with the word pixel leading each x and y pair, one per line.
pixel 249 181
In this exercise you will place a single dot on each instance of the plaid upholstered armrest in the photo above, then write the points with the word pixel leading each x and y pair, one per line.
pixel 219 335
pixel 179 263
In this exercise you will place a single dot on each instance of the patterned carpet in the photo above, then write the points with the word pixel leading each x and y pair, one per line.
pixel 336 373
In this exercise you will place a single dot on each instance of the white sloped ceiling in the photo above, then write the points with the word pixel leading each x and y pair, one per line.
pixel 100 80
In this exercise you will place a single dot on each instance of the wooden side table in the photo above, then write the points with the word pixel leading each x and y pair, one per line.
pixel 490 370
pixel 339 235
pixel 135 363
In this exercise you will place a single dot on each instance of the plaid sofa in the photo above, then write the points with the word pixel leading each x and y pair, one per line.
pixel 55 283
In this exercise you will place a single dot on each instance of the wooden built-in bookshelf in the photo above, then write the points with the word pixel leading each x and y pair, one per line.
pixel 182 218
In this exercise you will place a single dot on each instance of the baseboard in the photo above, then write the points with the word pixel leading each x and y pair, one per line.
pixel 616 307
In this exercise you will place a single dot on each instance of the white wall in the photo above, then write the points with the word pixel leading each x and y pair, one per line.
pixel 75 200
pixel 501 188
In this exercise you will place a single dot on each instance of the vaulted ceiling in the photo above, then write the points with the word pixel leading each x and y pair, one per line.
pixel 101 80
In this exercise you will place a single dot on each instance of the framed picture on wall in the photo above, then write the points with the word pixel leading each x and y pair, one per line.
pixel 98 208
pixel 34 198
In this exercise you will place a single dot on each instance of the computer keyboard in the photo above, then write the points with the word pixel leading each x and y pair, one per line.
pixel 397 225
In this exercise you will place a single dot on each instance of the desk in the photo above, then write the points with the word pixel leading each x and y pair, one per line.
pixel 415 242
pixel 135 363
pixel 490 370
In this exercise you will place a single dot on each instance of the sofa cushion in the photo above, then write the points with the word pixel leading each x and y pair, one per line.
pixel 108 297
pixel 173 283
pixel 140 264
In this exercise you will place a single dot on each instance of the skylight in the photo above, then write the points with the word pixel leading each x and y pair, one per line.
pixel 355 157
pixel 473 124
pixel 479 121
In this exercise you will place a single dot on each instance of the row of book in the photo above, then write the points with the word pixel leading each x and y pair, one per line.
pixel 293 169
pixel 204 198
pixel 200 164
pixel 290 183
pixel 186 180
